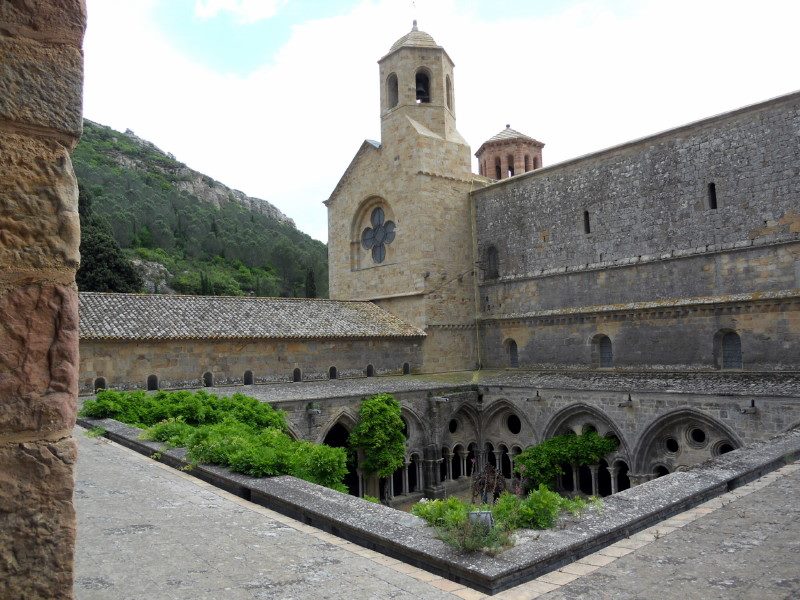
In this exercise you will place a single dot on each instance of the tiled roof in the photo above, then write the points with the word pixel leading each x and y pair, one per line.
pixel 509 134
pixel 163 317
pixel 414 38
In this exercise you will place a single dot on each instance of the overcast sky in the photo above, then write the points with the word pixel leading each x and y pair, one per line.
pixel 274 97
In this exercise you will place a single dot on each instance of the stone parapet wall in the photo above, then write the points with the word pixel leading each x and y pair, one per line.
pixel 40 122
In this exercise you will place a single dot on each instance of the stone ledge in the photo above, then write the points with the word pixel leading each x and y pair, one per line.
pixel 405 537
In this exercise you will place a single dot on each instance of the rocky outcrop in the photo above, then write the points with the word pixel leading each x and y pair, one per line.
pixel 155 276
pixel 190 181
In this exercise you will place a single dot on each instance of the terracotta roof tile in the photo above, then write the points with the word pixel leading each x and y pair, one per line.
pixel 163 317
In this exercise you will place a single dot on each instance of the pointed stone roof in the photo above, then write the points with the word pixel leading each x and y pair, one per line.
pixel 105 316
pixel 414 39
pixel 511 134
pixel 508 135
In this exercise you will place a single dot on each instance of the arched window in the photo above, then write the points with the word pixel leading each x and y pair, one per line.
pixel 332 373
pixel 423 87
pixel 527 163
pixel 297 375
pixel 152 382
pixel 492 263
pixel 99 384
pixel 406 368
pixel 449 87
pixel 208 379
pixel 513 356
pixel 370 371
pixel 510 162
pixel 498 170
pixel 248 378
pixel 602 352
pixel 731 351
pixel 392 95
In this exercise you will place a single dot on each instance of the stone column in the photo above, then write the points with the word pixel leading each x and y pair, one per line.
pixel 613 472
pixel 405 477
pixel 498 460
pixel 593 469
pixel 391 486
pixel 575 481
pixel 360 475
pixel 420 475
pixel 41 87
pixel 462 455
pixel 560 482
pixel 449 465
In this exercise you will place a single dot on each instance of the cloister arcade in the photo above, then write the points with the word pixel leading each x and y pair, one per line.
pixel 445 450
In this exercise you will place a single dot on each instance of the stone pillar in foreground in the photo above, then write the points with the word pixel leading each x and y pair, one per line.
pixel 41 86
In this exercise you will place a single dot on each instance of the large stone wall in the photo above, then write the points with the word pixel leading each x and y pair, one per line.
pixel 650 197
pixel 40 122
pixel 182 363
pixel 661 271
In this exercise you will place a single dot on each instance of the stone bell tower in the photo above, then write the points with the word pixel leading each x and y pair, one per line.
pixel 399 224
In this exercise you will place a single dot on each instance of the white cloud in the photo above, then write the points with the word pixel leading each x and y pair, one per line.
pixel 579 80
pixel 245 11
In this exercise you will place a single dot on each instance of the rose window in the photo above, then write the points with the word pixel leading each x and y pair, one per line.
pixel 377 237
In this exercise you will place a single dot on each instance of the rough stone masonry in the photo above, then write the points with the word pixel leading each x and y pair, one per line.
pixel 41 83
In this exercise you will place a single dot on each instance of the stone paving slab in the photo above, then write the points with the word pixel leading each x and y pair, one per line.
pixel 148 531
pixel 745 545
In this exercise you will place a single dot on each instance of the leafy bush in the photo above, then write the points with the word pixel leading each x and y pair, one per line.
pixel 474 537
pixel 238 432
pixel 538 510
pixel 379 432
pixel 541 464
pixel 174 432
pixel 450 512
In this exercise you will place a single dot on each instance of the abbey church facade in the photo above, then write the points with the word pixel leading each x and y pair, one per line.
pixel 649 292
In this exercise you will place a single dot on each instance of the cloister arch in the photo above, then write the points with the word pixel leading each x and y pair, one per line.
pixel 495 424
pixel 681 438
pixel 576 417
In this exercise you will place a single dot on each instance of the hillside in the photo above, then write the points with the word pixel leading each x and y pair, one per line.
pixel 186 232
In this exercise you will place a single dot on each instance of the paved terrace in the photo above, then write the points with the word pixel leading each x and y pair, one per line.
pixel 712 383
pixel 148 531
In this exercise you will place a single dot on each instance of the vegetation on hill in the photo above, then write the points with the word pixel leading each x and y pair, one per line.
pixel 104 267
pixel 237 432
pixel 212 240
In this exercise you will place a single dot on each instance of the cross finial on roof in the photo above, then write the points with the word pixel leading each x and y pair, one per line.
pixel 508 126
pixel 414 26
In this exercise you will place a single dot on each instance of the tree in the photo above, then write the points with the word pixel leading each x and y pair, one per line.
pixel 104 267
pixel 311 286
pixel 379 434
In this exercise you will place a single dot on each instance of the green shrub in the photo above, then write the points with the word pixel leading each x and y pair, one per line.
pixel 538 510
pixel 450 512
pixel 474 537
pixel 237 432
pixel 372 499
pixel 174 432
pixel 542 463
